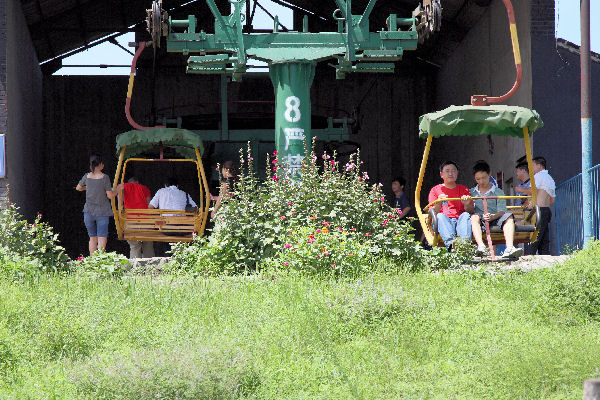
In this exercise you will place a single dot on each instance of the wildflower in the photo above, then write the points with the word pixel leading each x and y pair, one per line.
pixel 350 255
pixel 326 253
pixel 385 222
pixel 399 211
pixel 318 231
pixel 39 215
pixel 310 240
pixel 333 265
pixel 350 167
pixel 325 230
pixel 368 234
pixel 294 212
pixel 313 217
pixel 332 162
pixel 250 158
pixel 34 224
pixel 282 217
pixel 382 199
pixel 289 203
pixel 323 249
pixel 325 223
pixel 275 153
pixel 365 175
pixel 380 184
pixel 286 263
pixel 275 178
pixel 287 245
pixel 79 258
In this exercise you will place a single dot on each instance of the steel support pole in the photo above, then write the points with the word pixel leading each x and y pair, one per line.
pixel 586 123
pixel 292 81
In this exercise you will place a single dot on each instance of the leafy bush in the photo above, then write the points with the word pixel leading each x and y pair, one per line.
pixel 576 283
pixel 32 241
pixel 181 373
pixel 253 224
pixel 102 264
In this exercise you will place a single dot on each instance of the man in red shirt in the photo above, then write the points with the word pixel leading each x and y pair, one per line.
pixel 137 196
pixel 454 217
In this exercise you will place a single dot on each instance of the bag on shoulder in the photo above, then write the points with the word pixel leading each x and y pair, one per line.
pixel 188 206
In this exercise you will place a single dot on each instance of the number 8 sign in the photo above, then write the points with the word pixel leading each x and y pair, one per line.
pixel 292 104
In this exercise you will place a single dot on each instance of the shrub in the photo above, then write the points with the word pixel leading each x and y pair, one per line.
pixel 181 373
pixel 31 241
pixel 253 223
pixel 576 283
pixel 102 264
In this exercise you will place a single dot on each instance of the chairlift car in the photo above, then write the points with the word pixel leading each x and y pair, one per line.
pixel 468 120
pixel 160 225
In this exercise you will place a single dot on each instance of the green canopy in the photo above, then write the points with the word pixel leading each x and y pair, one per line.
pixel 181 140
pixel 479 120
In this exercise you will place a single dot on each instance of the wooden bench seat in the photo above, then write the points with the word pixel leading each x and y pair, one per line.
pixel 158 225
pixel 525 226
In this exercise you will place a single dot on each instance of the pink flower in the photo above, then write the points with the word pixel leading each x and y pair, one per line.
pixel 275 178
pixel 332 162
pixel 318 231
pixel 289 203
pixel 282 217
pixel 39 215
pixel 334 265
pixel 287 245
pixel 286 263
pixel 79 258
pixel 365 175
pixel 274 153
pixel 399 211
pixel 250 158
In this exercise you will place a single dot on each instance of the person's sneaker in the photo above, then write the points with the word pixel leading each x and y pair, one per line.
pixel 481 250
pixel 512 252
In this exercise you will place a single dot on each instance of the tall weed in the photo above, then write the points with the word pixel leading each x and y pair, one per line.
pixel 193 373
pixel 576 283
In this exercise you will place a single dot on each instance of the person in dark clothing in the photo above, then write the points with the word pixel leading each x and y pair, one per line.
pixel 229 175
pixel 400 198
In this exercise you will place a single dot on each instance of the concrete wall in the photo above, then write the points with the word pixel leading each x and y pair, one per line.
pixel 84 115
pixel 23 114
pixel 484 64
pixel 556 96
pixel 3 93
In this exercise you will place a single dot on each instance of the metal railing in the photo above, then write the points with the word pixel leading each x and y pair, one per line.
pixel 568 212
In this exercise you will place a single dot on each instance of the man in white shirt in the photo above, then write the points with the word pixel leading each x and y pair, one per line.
pixel 545 198
pixel 171 197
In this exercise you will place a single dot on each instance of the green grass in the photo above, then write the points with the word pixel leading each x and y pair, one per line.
pixel 455 335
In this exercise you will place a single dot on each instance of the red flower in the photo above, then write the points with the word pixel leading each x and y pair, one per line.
pixel 282 217
pixel 275 178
